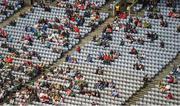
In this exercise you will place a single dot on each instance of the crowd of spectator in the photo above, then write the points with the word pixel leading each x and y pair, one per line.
pixel 68 81
pixel 9 7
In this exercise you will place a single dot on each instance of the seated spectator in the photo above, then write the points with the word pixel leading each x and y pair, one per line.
pixel 57 20
pixel 44 98
pixel 115 93
pixel 13 23
pixel 109 29
pixel 10 38
pixel 5 12
pixel 172 14
pixel 161 84
pixel 152 36
pixel 146 24
pixel 145 80
pixel 112 84
pixel 3 33
pixel 140 57
pixel 99 71
pixel 76 29
pixel 101 84
pixel 176 71
pixel 161 16
pixel 130 38
pixel 137 22
pixel 89 58
pixel 87 14
pixel 1 64
pixel 138 66
pixel 13 50
pixel 47 9
pixel 178 28
pixel 5 3
pixel 169 96
pixel 169 3
pixel 107 59
pixel 155 16
pixel 4 45
pixel 140 41
pixel 162 44
pixel 122 42
pixel 27 39
pixel 8 59
pixel 165 88
pixel 103 43
pixel 123 15
pixel 171 79
pixel 134 51
pixel 163 23
pixel 96 94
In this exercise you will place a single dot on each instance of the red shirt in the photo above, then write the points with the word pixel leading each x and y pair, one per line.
pixel 9 60
pixel 107 57
pixel 171 14
pixel 169 96
pixel 73 19
pixel 61 27
pixel 76 29
pixel 78 49
pixel 171 79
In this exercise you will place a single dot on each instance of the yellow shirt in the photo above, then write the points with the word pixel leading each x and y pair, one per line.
pixel 117 8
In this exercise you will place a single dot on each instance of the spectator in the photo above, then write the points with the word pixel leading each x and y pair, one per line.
pixel 99 71
pixel 169 96
pixel 176 71
pixel 146 24
pixel 101 84
pixel 89 58
pixel 171 79
pixel 152 36
pixel 107 59
pixel 8 59
pixel 115 93
pixel 140 41
pixel 78 49
pixel 94 39
pixel 67 58
pixel 165 87
pixel 13 23
pixel 23 15
pixel 161 84
pixel 145 80
pixel 172 14
pixel 3 33
pixel 47 9
pixel 178 28
pixel 169 3
pixel 112 84
pixel 162 44
pixel 163 23
pixel 134 51
pixel 122 42
pixel 138 66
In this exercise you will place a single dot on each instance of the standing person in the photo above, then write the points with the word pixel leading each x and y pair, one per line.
pixel 117 9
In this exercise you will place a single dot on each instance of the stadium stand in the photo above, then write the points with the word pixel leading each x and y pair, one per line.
pixel 39 38
pixel 9 7
pixel 166 93
pixel 109 69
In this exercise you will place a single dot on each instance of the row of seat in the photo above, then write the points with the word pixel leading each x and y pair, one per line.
pixel 8 8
